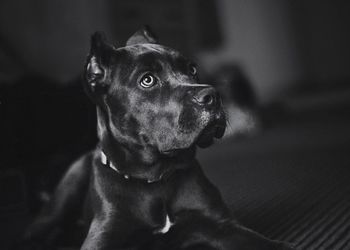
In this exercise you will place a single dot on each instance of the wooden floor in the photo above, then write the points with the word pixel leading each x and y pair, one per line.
pixel 290 182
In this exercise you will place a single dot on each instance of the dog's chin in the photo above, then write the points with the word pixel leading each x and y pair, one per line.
pixel 175 152
pixel 205 141
pixel 209 134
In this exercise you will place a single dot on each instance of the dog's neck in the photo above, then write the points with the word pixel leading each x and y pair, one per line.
pixel 121 148
pixel 133 162
pixel 108 163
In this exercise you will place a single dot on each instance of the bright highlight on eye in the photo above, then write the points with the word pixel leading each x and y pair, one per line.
pixel 148 80
pixel 193 70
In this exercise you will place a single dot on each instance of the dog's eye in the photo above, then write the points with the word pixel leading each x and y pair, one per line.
pixel 193 70
pixel 148 81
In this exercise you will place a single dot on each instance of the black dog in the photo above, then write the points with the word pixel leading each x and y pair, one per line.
pixel 145 187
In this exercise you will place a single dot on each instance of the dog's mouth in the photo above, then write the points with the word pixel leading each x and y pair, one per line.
pixel 205 139
pixel 201 137
pixel 213 130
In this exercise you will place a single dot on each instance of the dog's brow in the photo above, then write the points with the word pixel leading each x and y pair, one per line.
pixel 150 63
pixel 183 80
pixel 194 84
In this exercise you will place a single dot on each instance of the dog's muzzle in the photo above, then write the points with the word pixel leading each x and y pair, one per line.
pixel 208 99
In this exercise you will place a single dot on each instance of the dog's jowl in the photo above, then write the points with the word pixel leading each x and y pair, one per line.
pixel 144 186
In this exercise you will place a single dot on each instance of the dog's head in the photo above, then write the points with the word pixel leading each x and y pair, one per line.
pixel 150 96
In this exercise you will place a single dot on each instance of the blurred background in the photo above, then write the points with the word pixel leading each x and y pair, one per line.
pixel 283 68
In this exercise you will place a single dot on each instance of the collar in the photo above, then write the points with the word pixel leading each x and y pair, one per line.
pixel 106 162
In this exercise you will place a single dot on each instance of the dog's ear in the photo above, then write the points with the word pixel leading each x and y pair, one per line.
pixel 96 65
pixel 144 35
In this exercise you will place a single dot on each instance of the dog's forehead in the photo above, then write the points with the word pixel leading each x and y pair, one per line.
pixel 148 54
pixel 159 59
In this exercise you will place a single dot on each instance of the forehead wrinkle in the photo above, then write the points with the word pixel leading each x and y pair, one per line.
pixel 138 49
pixel 154 47
pixel 160 49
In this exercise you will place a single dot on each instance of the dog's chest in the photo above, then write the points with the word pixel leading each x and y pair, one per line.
pixel 142 204
pixel 154 212
pixel 166 226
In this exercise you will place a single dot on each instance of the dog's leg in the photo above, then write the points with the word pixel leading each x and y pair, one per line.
pixel 67 197
pixel 98 236
pixel 106 233
pixel 194 231
pixel 203 221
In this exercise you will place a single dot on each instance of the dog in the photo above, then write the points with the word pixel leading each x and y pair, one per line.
pixel 144 185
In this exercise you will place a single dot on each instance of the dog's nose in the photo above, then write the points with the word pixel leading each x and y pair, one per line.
pixel 206 97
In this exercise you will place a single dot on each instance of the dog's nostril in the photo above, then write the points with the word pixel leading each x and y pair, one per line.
pixel 206 97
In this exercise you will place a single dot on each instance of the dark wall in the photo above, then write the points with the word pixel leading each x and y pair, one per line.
pixel 279 43
pixel 285 44
pixel 48 37
pixel 51 37
pixel 322 29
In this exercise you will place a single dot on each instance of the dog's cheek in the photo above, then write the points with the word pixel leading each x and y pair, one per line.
pixel 189 121
pixel 117 109
pixel 122 122
pixel 165 135
pixel 134 129
pixel 145 118
pixel 157 127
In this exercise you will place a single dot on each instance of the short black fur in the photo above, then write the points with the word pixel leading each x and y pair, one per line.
pixel 150 175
